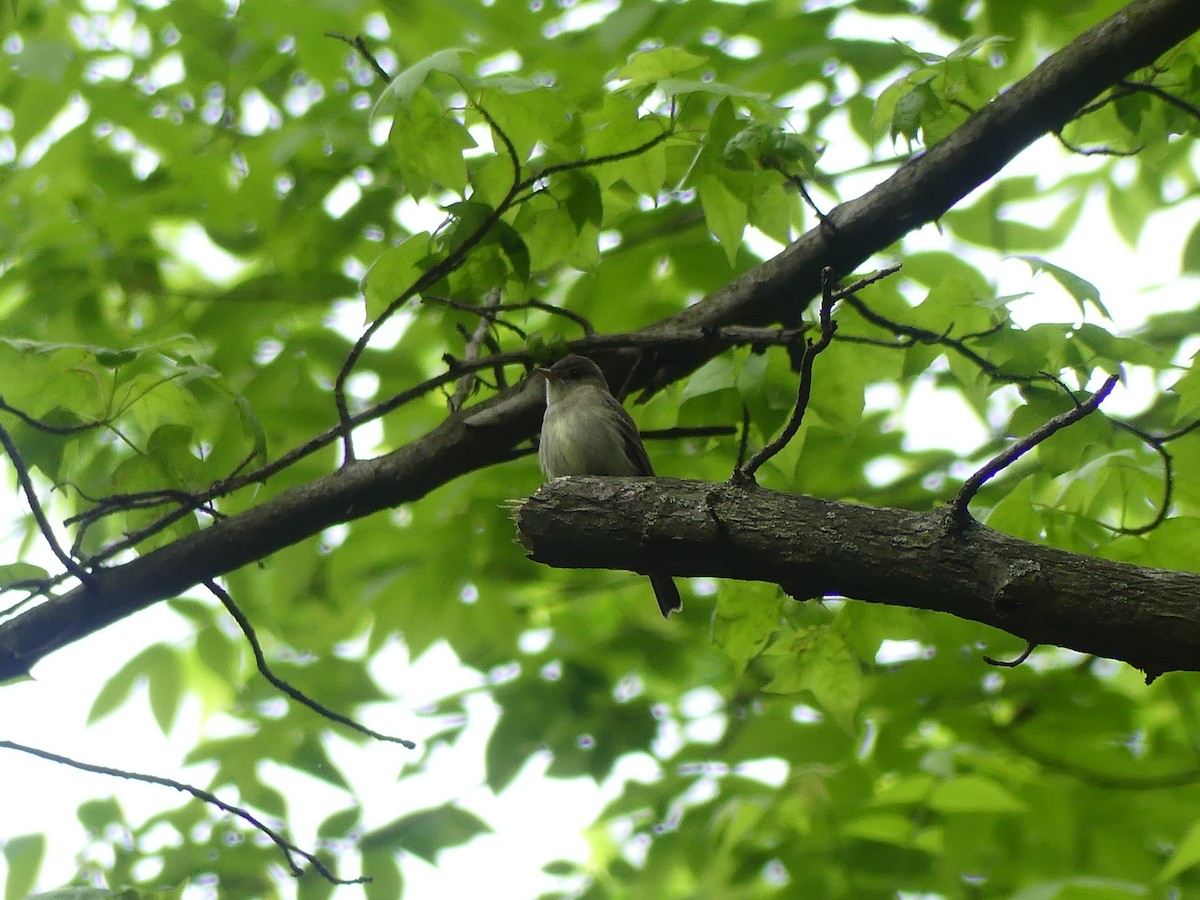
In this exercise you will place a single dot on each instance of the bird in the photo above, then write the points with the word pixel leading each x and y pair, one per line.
pixel 586 431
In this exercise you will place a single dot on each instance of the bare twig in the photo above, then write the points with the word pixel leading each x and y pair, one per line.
pixel 451 262
pixel 46 427
pixel 1155 443
pixel 745 472
pixel 1014 452
pixel 925 336
pixel 744 438
pixel 575 317
pixel 288 849
pixel 486 312
pixel 1165 96
pixel 473 349
pixel 360 45
pixel 260 660
pixel 798 183
pixel 39 515
pixel 1012 663
pixel 1096 151
pixel 848 292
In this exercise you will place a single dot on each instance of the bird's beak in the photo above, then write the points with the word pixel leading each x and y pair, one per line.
pixel 547 374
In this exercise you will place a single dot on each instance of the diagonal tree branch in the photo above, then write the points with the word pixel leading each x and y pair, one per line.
pixel 776 291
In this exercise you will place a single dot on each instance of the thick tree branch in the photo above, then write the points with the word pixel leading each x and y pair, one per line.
pixel 1147 617
pixel 776 291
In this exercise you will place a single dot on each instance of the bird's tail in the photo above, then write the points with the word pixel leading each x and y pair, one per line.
pixel 666 593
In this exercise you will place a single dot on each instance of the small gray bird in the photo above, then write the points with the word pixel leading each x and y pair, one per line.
pixel 586 431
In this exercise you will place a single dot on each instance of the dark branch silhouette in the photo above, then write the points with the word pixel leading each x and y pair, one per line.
pixel 288 849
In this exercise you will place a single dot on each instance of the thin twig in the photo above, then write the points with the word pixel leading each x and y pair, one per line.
pixel 744 439
pixel 360 45
pixel 846 293
pixel 473 349
pixel 1012 663
pixel 287 847
pixel 488 313
pixel 560 311
pixel 1155 443
pixel 1096 151
pixel 1014 452
pixel 46 427
pixel 39 515
pixel 925 336
pixel 450 263
pixel 260 661
pixel 745 472
pixel 1165 96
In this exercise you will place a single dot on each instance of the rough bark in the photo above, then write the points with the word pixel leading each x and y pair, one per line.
pixel 1147 617
pixel 778 290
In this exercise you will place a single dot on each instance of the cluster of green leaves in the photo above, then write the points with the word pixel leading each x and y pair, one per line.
pixel 612 167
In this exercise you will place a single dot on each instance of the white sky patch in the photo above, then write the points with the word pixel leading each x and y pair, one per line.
pixel 420 215
pixel 376 26
pixel 582 16
pixel 167 70
pixel 484 141
pixel 114 68
pixel 258 114
pixel 853 25
pixel 741 46
pixel 349 318
pixel 188 242
pixel 771 771
pixel 380 128
pixel 341 198
pixel 73 114
pixel 898 651
pixel 509 61
pixel 939 417
pixel 884 470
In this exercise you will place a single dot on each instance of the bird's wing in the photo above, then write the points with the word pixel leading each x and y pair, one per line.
pixel 634 448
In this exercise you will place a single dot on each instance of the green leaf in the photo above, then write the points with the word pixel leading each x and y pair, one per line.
pixel 116 690
pixel 164 676
pixel 429 141
pixel 386 881
pixel 395 272
pixel 973 794
pixel 1191 251
pixel 726 213
pixel 97 815
pixel 746 617
pixel 23 857
pixel 21 571
pixel 428 832
pixel 405 85
pixel 340 824
pixel 718 374
pixel 840 381
pixel 819 660
pixel 650 66
pixel 1185 856
pixel 1080 289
